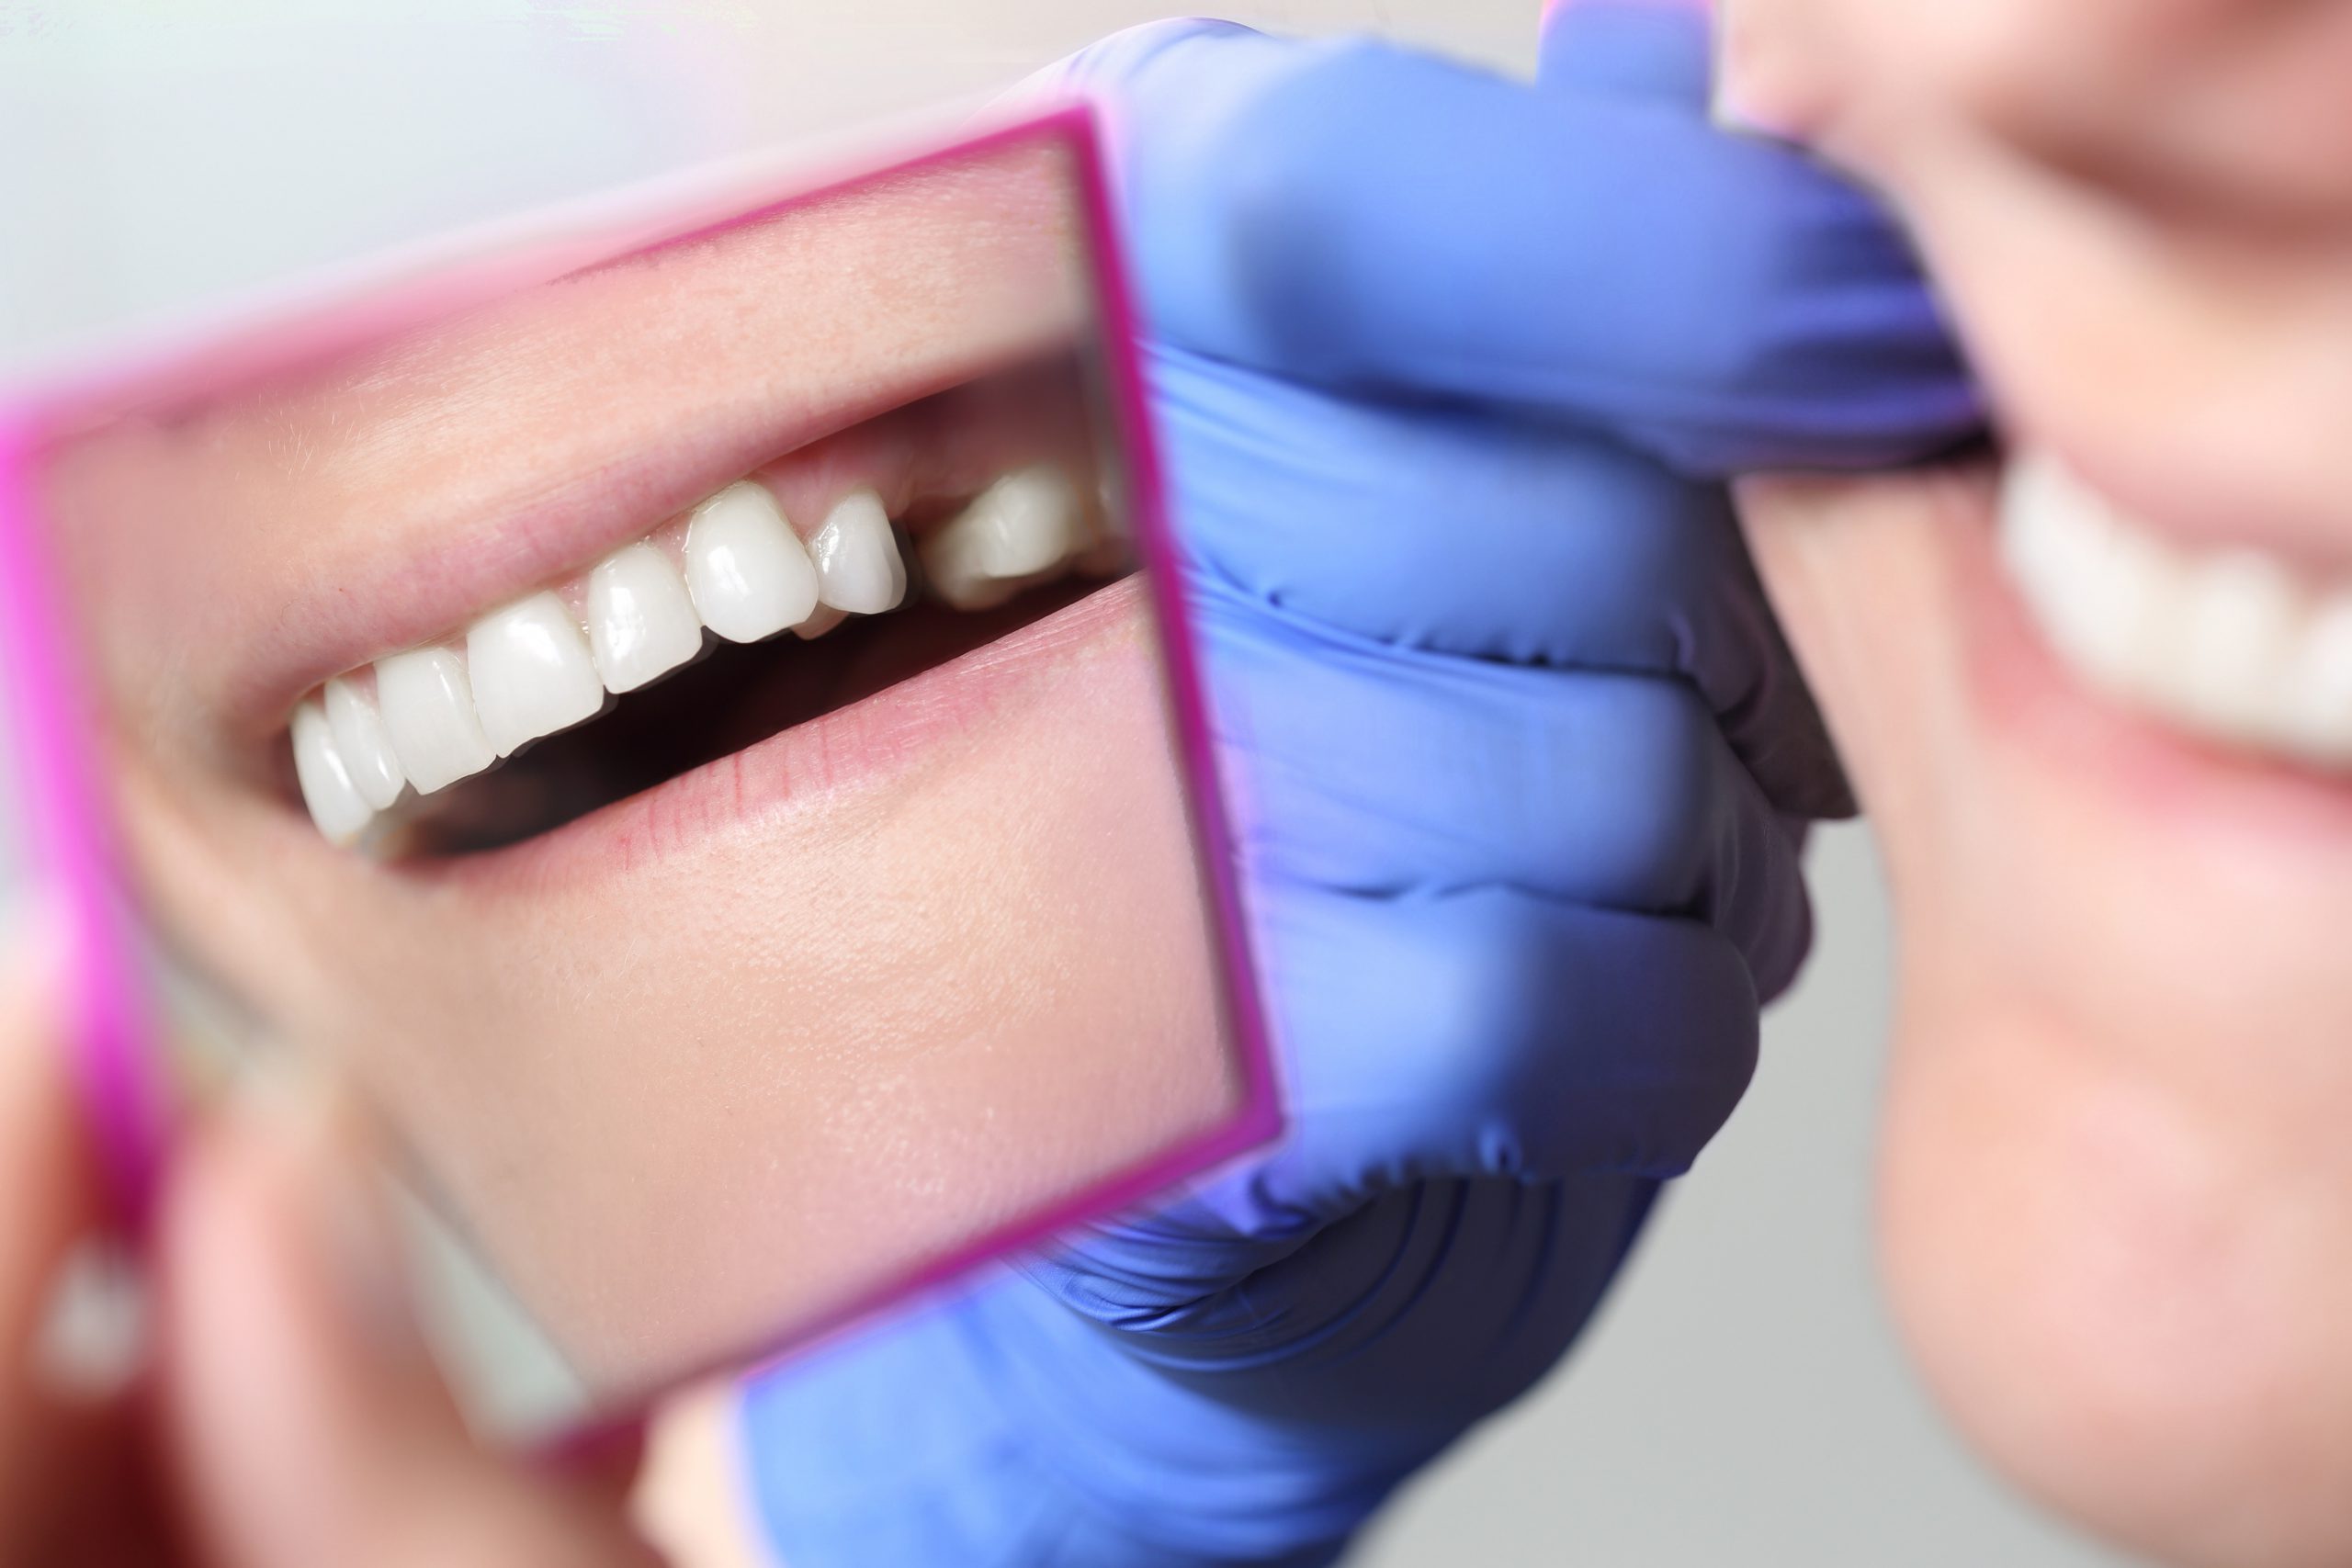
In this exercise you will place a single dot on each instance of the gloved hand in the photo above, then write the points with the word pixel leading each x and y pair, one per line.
pixel 1446 367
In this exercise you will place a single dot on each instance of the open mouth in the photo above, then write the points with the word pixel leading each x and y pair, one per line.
pixel 885 550
pixel 2237 647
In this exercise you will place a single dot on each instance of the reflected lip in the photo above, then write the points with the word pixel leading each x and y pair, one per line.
pixel 852 748
pixel 393 605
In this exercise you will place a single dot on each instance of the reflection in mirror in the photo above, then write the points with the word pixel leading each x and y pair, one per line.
pixel 689 740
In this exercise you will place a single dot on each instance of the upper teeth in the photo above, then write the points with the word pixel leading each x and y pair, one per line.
pixel 1025 529
pixel 641 624
pixel 749 575
pixel 429 717
pixel 2229 645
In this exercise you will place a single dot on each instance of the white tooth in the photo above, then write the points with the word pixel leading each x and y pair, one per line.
pixel 1021 530
pixel 640 622
pixel 858 569
pixel 327 789
pixel 2315 701
pixel 2103 593
pixel 817 625
pixel 428 707
pixel 1109 552
pixel 532 672
pixel 2239 621
pixel 363 743
pixel 2229 647
pixel 745 567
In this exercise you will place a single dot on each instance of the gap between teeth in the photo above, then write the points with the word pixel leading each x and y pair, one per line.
pixel 2232 646
pixel 428 717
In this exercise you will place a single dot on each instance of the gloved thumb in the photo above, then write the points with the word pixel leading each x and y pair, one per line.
pixel 1361 216
pixel 1660 49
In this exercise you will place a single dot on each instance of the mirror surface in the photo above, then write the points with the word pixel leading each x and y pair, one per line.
pixel 689 741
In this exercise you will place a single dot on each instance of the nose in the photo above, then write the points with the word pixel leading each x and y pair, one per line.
pixel 2233 108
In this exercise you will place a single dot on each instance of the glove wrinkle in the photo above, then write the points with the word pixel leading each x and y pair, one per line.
pixel 1448 370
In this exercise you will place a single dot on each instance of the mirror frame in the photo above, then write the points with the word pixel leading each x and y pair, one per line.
pixel 111 1023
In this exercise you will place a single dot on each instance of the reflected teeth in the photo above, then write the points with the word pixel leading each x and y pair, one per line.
pixel 327 788
pixel 1025 529
pixel 2229 645
pixel 428 717
pixel 428 706
pixel 532 672
pixel 642 626
pixel 363 744
pixel 748 572
pixel 858 569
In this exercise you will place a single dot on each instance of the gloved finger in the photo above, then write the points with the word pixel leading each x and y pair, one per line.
pixel 1393 1327
pixel 1481 1033
pixel 1477 1034
pixel 1361 767
pixel 1661 49
pixel 1368 218
pixel 1443 532
pixel 897 1444
pixel 1421 1309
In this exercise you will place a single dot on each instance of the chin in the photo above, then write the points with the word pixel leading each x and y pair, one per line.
pixel 2116 1196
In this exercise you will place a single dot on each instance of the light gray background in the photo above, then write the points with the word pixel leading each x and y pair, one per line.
pixel 1741 1401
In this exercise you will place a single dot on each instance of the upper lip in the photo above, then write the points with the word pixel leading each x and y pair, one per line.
pixel 840 749
pixel 384 601
pixel 2187 498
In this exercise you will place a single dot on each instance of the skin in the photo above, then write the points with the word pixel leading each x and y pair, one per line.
pixel 287 1413
pixel 726 1059
pixel 2116 1200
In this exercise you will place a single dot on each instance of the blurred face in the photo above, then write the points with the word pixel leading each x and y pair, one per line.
pixel 2098 696
pixel 684 738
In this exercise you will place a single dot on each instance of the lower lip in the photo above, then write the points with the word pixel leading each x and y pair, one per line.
pixel 862 746
pixel 2022 691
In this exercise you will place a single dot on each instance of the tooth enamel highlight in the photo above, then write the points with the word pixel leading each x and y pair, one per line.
pixel 745 567
pixel 532 672
pixel 641 624
pixel 2227 645
pixel 858 569
pixel 428 708
pixel 1021 531
pixel 327 788
pixel 363 743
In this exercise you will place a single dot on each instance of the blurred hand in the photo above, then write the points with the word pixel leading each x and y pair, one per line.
pixel 1448 368
pixel 285 1414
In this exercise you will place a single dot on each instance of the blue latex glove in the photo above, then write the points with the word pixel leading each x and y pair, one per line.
pixel 1445 366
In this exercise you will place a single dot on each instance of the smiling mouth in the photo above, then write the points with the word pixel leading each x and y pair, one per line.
pixel 885 551
pixel 2236 648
